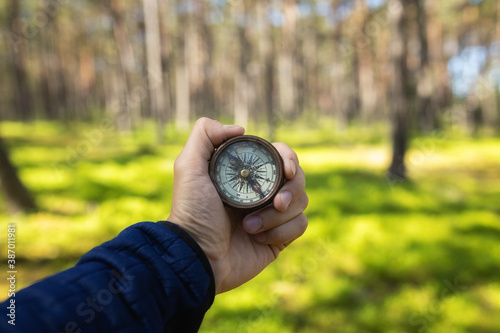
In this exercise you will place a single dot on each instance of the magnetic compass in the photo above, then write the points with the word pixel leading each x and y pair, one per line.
pixel 247 172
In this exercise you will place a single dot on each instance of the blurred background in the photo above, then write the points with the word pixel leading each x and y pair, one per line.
pixel 393 107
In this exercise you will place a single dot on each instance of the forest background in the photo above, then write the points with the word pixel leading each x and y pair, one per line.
pixel 393 107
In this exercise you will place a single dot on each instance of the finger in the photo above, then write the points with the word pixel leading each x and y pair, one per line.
pixel 290 191
pixel 269 218
pixel 290 159
pixel 206 135
pixel 285 233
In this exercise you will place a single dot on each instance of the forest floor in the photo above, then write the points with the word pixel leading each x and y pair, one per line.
pixel 378 256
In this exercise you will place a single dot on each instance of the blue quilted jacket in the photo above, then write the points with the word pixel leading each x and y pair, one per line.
pixel 153 277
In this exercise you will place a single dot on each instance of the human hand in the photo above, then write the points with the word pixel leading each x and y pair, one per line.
pixel 238 247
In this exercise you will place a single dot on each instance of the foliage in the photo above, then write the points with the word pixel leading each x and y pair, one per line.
pixel 378 256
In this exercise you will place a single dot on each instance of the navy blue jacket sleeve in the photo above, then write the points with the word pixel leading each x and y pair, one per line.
pixel 153 277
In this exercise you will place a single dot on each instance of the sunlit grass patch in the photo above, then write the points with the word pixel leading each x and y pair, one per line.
pixel 377 254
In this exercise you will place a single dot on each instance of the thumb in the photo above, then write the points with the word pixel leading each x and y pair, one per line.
pixel 206 135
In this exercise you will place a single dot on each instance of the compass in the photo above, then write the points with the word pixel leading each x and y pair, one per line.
pixel 247 172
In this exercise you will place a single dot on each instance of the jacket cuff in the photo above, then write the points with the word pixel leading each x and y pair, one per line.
pixel 209 299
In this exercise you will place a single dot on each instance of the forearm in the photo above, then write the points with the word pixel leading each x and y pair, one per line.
pixel 150 278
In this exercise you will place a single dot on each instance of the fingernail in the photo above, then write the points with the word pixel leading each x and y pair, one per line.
pixel 261 237
pixel 232 126
pixel 293 167
pixel 253 224
pixel 286 199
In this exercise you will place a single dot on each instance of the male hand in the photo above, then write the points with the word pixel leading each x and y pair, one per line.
pixel 238 247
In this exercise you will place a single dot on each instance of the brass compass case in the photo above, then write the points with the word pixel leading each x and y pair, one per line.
pixel 247 172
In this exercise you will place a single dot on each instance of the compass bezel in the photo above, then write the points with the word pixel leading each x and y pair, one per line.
pixel 277 160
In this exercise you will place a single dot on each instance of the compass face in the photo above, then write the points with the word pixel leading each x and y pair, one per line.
pixel 247 172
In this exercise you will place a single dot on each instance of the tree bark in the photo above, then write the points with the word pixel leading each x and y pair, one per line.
pixel 426 112
pixel 339 84
pixel 205 103
pixel 182 87
pixel 126 63
pixel 308 86
pixel 22 92
pixel 267 53
pixel 155 73
pixel 242 77
pixel 208 66
pixel 16 194
pixel 286 68
pixel 399 89
pixel 167 46
pixel 366 77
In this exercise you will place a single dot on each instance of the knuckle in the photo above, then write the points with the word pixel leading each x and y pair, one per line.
pixel 303 176
pixel 201 121
pixel 304 200
pixel 205 122
pixel 179 164
pixel 303 223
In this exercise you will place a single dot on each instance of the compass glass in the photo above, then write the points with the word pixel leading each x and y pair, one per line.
pixel 247 173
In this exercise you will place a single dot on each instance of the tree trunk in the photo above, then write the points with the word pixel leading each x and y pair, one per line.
pixel 286 68
pixel 155 73
pixel 167 46
pixel 442 97
pixel 366 77
pixel 182 87
pixel 339 89
pixel 426 112
pixel 208 65
pixel 16 194
pixel 242 78
pixel 354 106
pixel 267 53
pixel 399 89
pixel 22 92
pixel 127 116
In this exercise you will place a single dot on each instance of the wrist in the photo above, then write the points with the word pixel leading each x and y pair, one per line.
pixel 220 273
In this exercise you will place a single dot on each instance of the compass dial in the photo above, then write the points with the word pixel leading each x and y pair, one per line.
pixel 247 172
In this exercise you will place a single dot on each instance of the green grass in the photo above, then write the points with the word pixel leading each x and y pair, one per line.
pixel 378 256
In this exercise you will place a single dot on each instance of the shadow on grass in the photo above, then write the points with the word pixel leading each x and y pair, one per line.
pixel 417 294
pixel 480 231
pixel 364 192
pixel 82 185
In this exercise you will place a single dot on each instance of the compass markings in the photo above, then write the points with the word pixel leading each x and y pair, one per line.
pixel 258 162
